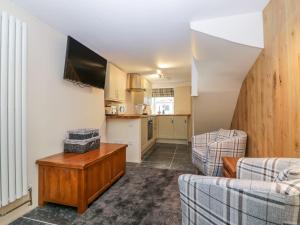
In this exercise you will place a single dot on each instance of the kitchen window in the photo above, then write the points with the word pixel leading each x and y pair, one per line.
pixel 163 101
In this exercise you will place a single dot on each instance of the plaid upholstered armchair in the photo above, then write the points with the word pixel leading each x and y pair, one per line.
pixel 266 191
pixel 208 149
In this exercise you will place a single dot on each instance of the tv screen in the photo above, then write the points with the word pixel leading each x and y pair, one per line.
pixel 83 65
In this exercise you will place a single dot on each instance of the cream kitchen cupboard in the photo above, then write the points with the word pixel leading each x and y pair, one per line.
pixel 165 127
pixel 173 127
pixel 180 127
pixel 115 84
pixel 148 92
pixel 155 127
pixel 144 132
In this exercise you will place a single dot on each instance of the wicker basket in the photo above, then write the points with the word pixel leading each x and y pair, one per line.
pixel 82 134
pixel 81 146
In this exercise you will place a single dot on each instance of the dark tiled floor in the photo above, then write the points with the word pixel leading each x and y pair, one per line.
pixel 168 156
pixel 139 182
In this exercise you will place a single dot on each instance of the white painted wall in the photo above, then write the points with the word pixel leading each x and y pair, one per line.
pixel 126 131
pixel 194 76
pixel 213 110
pixel 244 29
pixel 219 67
pixel 54 105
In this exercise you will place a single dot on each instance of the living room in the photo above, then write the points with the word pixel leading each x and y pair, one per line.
pixel 149 112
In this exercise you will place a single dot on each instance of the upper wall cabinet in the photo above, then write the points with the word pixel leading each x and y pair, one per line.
pixel 115 84
pixel 148 92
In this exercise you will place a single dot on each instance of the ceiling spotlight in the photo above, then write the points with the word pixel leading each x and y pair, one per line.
pixel 165 65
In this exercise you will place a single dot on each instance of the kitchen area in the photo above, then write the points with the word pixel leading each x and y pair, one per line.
pixel 141 115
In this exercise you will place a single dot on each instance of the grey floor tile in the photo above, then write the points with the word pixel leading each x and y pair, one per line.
pixel 166 150
pixel 52 213
pixel 167 157
pixel 159 158
pixel 160 161
pixel 183 150
pixel 165 145
pixel 131 164
pixel 163 154
pixel 25 221
pixel 145 156
pixel 182 146
pixel 183 157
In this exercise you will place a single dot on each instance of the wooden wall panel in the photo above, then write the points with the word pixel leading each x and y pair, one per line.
pixel 268 107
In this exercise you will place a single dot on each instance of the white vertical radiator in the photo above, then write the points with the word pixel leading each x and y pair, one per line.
pixel 13 57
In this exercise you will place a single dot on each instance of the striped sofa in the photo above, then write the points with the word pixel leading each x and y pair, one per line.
pixel 209 148
pixel 256 197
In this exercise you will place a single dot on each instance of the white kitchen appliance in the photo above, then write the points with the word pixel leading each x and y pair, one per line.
pixel 111 110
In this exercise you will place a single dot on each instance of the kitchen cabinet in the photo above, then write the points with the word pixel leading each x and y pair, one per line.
pixel 148 92
pixel 180 127
pixel 121 86
pixel 115 84
pixel 165 127
pixel 144 132
pixel 173 127
pixel 155 127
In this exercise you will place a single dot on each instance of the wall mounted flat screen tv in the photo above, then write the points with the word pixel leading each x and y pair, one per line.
pixel 84 65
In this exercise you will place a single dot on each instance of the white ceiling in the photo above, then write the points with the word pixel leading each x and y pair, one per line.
pixel 137 35
pixel 224 62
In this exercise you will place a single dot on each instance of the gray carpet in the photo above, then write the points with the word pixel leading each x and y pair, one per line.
pixel 144 196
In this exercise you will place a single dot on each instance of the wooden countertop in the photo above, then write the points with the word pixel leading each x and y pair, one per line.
pixel 138 116
pixel 127 116
pixel 80 161
pixel 173 115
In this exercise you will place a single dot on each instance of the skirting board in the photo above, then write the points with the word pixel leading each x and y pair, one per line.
pixel 14 205
pixel 172 141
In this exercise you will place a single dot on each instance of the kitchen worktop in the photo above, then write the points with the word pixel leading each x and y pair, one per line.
pixel 177 114
pixel 138 116
pixel 127 116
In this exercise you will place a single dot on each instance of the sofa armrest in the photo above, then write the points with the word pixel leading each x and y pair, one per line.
pixel 197 181
pixel 231 147
pixel 210 200
pixel 264 169
pixel 234 147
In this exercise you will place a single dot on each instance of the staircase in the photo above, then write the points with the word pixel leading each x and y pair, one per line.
pixel 224 49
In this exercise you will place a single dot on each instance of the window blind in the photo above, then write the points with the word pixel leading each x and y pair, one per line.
pixel 163 92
